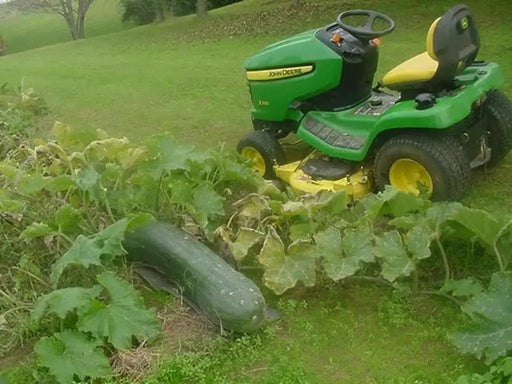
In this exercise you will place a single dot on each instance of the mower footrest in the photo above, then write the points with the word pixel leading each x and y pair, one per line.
pixel 331 136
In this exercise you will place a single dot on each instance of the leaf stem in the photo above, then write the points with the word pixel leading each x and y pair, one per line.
pixel 445 260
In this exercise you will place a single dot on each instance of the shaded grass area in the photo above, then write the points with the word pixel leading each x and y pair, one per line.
pixel 355 333
pixel 25 31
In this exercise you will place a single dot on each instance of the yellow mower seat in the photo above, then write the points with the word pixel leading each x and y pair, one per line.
pixel 419 68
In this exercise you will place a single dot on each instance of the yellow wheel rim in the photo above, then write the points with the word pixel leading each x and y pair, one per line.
pixel 258 162
pixel 409 176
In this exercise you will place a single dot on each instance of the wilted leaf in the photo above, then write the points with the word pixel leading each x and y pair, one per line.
pixel 120 318
pixel 246 238
pixel 71 353
pixel 390 249
pixel 285 268
pixel 64 300
pixel 490 335
pixel 36 230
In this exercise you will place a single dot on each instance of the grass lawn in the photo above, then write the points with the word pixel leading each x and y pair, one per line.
pixel 186 76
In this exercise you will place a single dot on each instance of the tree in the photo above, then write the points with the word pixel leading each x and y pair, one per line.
pixel 201 8
pixel 73 12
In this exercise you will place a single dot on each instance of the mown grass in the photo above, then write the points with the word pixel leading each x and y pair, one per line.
pixel 185 76
pixel 24 31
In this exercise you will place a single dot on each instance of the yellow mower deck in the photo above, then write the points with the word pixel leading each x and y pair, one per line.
pixel 356 185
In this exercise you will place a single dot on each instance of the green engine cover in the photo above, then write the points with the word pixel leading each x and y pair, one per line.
pixel 293 69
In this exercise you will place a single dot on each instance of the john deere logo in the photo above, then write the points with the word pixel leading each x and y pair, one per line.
pixel 464 23
pixel 278 73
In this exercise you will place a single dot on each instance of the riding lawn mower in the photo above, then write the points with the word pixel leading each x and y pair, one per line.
pixel 441 116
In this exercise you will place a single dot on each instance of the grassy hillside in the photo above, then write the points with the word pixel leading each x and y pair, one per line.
pixel 24 31
pixel 186 76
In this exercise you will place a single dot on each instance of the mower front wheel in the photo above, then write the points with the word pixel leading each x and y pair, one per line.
pixel 263 150
pixel 498 111
pixel 417 162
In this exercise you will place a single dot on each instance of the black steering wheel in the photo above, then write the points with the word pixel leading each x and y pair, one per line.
pixel 366 30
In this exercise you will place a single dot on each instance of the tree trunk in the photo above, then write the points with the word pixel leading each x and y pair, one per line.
pixel 201 8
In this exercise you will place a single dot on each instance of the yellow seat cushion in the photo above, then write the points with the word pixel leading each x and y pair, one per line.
pixel 417 69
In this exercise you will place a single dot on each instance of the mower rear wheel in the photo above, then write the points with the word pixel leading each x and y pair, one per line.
pixel 498 111
pixel 263 150
pixel 418 163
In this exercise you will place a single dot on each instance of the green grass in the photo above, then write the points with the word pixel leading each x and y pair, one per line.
pixel 185 76
pixel 343 334
pixel 24 31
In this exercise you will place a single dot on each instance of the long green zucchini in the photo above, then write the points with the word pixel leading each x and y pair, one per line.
pixel 210 284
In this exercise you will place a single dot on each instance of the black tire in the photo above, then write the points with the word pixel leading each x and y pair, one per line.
pixel 267 146
pixel 498 111
pixel 441 156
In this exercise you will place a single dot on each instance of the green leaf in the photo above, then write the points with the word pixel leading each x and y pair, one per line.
pixel 390 249
pixel 285 268
pixel 84 252
pixel 342 257
pixel 302 230
pixel 64 300
pixel 357 244
pixel 337 203
pixel 206 200
pixel 480 223
pixel 110 240
pixel 31 184
pixel 490 335
pixel 246 238
pixel 67 217
pixel 138 220
pixel 329 247
pixel 463 288
pixel 71 353
pixel 120 318
pixel 60 183
pixel 398 203
pixel 88 180
pixel 36 230
pixel 181 190
pixel 168 156
pixel 418 241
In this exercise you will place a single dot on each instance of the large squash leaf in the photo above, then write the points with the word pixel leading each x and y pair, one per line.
pixel 284 268
pixel 64 300
pixel 119 318
pixel 84 252
pixel 71 353
pixel 342 257
pixel 490 335
pixel 390 248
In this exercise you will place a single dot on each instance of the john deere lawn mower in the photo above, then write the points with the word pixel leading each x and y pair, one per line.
pixel 442 117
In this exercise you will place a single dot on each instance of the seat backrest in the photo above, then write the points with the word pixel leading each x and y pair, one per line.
pixel 453 41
